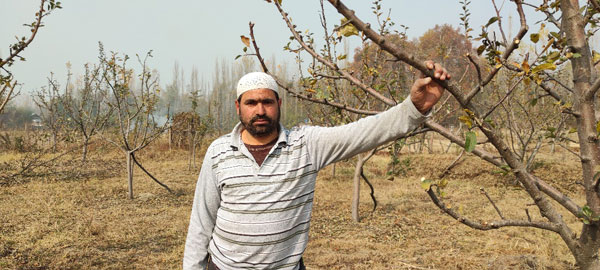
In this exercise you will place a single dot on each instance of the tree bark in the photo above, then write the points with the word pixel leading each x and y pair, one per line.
pixel 129 174
pixel 358 171
pixel 333 170
pixel 86 141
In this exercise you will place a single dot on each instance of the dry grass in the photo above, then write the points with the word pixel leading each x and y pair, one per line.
pixel 90 224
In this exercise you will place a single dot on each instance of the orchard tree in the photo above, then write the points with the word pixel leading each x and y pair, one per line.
pixel 134 106
pixel 537 76
pixel 85 105
pixel 49 101
pixel 7 81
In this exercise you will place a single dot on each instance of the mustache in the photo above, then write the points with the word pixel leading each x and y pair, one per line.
pixel 260 117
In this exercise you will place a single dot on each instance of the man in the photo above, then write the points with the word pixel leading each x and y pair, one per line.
pixel 254 195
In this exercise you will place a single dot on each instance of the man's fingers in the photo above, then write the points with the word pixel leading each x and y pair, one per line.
pixel 422 82
pixel 439 72
pixel 430 64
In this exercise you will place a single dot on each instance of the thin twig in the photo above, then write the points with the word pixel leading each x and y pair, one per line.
pixel 503 99
pixel 368 90
pixel 149 174
pixel 492 202
pixel 484 226
pixel 456 161
pixel 256 49
pixel 34 30
pixel 10 88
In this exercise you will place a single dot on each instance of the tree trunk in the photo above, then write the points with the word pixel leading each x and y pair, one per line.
pixel 358 170
pixel 86 141
pixel 54 142
pixel 430 146
pixel 129 174
pixel 422 142
pixel 194 152
pixel 356 188
pixel 333 169
pixel 587 255
pixel 170 137
pixel 586 252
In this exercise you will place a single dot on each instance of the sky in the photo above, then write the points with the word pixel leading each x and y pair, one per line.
pixel 195 33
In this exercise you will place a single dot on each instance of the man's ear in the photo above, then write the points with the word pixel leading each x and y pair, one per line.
pixel 237 107
pixel 279 101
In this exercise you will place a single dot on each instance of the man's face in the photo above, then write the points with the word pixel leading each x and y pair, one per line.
pixel 259 112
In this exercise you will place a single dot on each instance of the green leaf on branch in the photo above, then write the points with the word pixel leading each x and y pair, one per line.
pixel 491 122
pixel 466 120
pixel 470 141
pixel 544 66
pixel 535 37
pixel 347 30
pixel 426 184
pixel 553 56
pixel 491 21
pixel 481 49
pixel 443 183
pixel 587 211
pixel 596 56
pixel 533 102
pixel 585 221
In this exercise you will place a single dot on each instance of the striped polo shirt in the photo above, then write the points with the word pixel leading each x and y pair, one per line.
pixel 258 217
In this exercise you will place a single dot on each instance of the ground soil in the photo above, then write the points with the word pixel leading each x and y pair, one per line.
pixel 88 223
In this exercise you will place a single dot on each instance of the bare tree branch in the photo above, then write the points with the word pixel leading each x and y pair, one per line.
pixel 507 53
pixel 500 23
pixel 454 163
pixel 492 202
pixel 15 50
pixel 333 66
pixel 149 174
pixel 6 98
pixel 484 226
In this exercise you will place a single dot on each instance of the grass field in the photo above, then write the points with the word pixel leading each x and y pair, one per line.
pixel 88 223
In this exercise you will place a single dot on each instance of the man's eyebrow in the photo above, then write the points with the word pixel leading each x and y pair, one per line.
pixel 259 100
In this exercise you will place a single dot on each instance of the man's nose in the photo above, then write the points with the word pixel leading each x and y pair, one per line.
pixel 260 109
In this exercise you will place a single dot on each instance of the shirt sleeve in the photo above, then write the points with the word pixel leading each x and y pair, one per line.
pixel 331 144
pixel 207 199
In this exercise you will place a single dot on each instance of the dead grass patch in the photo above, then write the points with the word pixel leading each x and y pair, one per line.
pixel 90 224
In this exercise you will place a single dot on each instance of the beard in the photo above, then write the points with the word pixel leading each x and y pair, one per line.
pixel 261 130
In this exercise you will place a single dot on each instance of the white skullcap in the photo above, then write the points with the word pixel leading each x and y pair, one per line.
pixel 256 80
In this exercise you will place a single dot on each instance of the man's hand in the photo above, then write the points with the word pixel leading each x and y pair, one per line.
pixel 425 92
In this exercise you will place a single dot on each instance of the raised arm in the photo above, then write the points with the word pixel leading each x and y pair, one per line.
pixel 331 144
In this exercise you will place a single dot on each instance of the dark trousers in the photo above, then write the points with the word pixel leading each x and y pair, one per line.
pixel 212 266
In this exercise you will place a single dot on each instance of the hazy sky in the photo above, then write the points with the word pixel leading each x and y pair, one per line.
pixel 192 32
